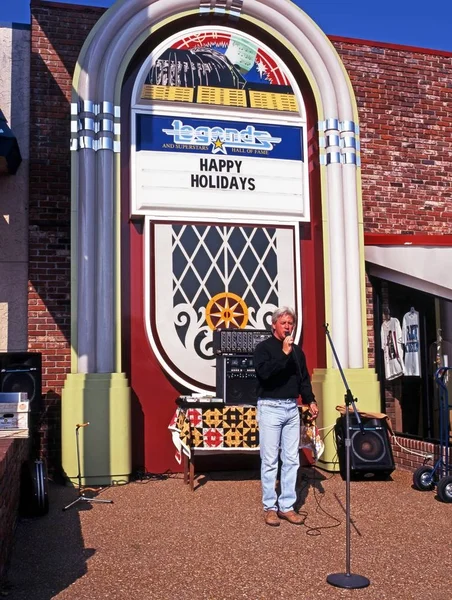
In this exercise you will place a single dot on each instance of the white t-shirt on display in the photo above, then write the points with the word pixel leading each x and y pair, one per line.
pixel 411 341
pixel 391 343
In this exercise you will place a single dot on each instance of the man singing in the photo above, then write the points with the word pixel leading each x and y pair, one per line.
pixel 282 377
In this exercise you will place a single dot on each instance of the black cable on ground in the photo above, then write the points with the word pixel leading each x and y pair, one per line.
pixel 142 475
pixel 316 530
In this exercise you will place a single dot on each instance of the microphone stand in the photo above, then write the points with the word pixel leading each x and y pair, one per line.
pixel 81 497
pixel 347 580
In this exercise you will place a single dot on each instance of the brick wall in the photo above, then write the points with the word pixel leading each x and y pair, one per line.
pixel 13 453
pixel 402 96
pixel 409 455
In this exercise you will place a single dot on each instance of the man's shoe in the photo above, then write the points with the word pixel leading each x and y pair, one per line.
pixel 291 516
pixel 271 518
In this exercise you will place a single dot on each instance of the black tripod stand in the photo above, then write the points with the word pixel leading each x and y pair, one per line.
pixel 81 497
pixel 347 580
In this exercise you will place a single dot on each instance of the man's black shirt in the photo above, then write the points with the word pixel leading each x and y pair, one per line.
pixel 280 375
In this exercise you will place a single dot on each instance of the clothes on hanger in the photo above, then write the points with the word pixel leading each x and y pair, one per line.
pixel 411 341
pixel 391 343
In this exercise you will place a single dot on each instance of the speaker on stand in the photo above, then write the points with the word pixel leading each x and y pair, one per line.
pixel 236 380
pixel 370 452
pixel 22 372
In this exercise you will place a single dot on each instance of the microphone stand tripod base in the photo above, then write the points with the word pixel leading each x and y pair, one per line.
pixel 350 581
pixel 83 498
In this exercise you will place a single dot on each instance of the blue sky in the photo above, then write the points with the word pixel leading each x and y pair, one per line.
pixel 423 24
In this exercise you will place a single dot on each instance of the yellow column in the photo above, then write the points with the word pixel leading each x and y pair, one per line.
pixel 103 401
pixel 330 392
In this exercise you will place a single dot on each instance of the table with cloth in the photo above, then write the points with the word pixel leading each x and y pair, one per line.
pixel 218 427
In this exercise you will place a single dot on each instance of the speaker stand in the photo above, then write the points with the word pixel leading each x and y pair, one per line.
pixel 81 497
pixel 347 580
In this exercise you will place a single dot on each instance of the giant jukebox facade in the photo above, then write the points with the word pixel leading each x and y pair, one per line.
pixel 215 177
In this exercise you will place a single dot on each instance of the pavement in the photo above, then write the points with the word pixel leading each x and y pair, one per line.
pixel 158 540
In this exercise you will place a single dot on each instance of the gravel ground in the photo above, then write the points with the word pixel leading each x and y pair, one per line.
pixel 160 541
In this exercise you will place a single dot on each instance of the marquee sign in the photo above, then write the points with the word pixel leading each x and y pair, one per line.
pixel 191 167
pixel 192 160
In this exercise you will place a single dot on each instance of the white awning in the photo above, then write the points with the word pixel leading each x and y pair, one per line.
pixel 425 268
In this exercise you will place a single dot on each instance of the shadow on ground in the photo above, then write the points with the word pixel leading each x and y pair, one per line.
pixel 57 555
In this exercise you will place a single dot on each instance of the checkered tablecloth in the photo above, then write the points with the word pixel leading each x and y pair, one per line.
pixel 223 427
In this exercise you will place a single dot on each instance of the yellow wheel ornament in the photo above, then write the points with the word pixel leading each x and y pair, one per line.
pixel 225 311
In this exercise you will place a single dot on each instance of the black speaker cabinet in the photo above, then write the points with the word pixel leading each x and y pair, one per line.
pixel 236 379
pixel 22 372
pixel 370 452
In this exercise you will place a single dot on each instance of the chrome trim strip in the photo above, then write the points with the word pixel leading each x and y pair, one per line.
pixel 333 158
pixel 94 125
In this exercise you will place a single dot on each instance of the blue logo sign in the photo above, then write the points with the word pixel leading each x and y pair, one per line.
pixel 169 134
pixel 222 138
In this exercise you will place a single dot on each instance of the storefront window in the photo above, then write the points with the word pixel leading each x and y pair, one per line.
pixel 412 340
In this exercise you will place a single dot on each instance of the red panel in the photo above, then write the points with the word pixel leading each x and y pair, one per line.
pixel 153 395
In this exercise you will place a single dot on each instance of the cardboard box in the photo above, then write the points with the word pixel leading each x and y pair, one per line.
pixel 14 414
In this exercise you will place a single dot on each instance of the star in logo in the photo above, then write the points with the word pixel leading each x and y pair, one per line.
pixel 218 146
pixel 261 68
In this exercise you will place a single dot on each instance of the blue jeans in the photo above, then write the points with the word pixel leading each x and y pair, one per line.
pixel 279 430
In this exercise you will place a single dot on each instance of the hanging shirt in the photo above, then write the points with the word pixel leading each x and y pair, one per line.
pixel 391 343
pixel 411 340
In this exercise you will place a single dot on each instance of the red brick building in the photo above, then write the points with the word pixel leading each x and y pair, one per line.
pixel 404 169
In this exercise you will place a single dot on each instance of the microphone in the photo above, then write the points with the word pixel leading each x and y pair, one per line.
pixel 82 424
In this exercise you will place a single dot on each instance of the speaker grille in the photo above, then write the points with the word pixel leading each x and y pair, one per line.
pixel 19 381
pixel 21 372
pixel 368 447
pixel 240 391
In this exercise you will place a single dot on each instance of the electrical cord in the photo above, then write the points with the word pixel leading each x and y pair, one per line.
pixel 426 457
pixel 144 476
pixel 315 530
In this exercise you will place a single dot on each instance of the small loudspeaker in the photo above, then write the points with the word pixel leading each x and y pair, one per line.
pixel 236 380
pixel 370 452
pixel 21 372
pixel 241 391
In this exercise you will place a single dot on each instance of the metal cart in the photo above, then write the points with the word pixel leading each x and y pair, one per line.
pixel 439 475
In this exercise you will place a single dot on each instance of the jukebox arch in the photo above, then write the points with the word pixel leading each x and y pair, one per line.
pixel 102 134
pixel 212 175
